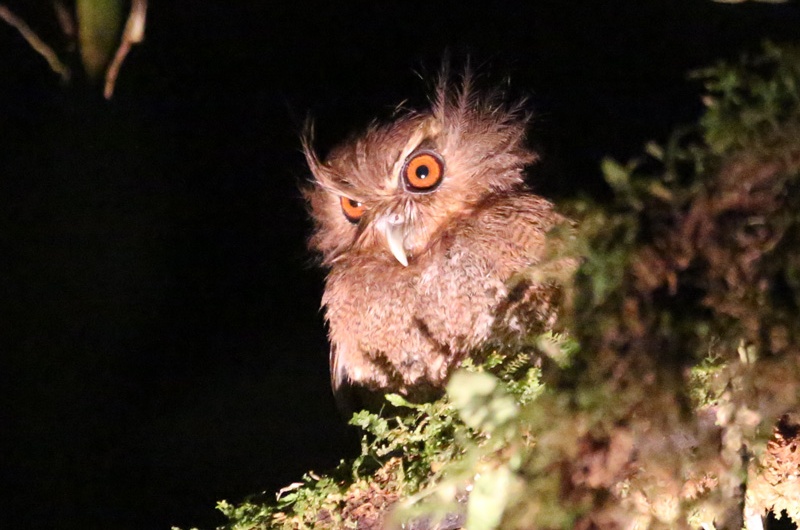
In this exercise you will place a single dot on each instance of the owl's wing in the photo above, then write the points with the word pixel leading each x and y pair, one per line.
pixel 347 398
pixel 337 370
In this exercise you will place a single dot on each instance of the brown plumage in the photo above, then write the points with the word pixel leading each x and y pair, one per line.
pixel 423 223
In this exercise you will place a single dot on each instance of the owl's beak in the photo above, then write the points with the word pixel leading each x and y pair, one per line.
pixel 393 228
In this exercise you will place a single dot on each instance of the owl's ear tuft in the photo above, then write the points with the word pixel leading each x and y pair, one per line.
pixel 307 141
pixel 323 176
pixel 485 128
pixel 462 98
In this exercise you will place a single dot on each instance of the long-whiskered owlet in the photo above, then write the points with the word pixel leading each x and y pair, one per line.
pixel 424 224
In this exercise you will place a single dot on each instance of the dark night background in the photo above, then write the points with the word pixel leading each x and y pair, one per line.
pixel 161 342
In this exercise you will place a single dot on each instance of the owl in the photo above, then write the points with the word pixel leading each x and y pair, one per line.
pixel 425 224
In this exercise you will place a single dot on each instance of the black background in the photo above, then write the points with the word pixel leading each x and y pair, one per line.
pixel 162 346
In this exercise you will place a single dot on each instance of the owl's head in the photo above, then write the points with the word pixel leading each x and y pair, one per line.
pixel 393 190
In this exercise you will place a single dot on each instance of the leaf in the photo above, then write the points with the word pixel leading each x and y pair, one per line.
pixel 99 28
pixel 654 150
pixel 488 499
pixel 617 176
pixel 481 401
pixel 399 401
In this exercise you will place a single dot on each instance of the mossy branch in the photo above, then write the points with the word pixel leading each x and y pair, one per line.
pixel 658 408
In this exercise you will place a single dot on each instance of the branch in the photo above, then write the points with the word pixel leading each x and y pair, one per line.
pixel 66 21
pixel 133 34
pixel 35 42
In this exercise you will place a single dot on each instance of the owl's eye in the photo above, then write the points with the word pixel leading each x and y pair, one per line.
pixel 423 172
pixel 353 210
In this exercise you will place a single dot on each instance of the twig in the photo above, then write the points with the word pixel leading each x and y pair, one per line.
pixel 66 21
pixel 35 42
pixel 133 34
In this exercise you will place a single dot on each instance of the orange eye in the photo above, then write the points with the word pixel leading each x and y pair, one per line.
pixel 353 210
pixel 423 172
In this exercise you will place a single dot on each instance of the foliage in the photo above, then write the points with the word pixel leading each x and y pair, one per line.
pixel 95 29
pixel 425 454
pixel 655 410
pixel 99 26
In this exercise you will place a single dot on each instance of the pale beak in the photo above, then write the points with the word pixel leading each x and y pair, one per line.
pixel 393 228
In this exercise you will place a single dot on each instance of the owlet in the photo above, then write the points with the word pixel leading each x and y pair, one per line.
pixel 425 224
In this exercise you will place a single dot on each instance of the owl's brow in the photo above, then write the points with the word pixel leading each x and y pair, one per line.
pixel 334 187
pixel 427 129
pixel 331 187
